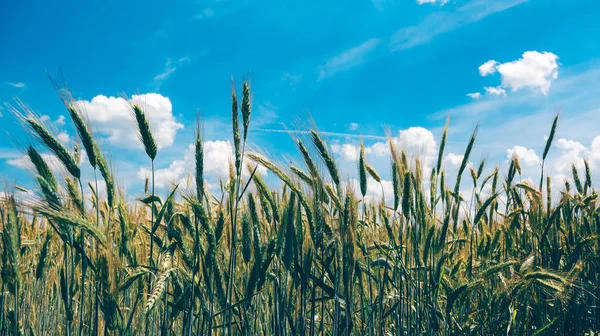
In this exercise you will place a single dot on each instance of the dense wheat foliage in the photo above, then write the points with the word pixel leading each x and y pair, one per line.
pixel 310 257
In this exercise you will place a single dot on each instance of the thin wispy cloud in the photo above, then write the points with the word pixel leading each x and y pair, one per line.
pixel 205 14
pixel 332 134
pixel 445 21
pixel 347 59
pixel 19 85
pixel 441 2
pixel 169 69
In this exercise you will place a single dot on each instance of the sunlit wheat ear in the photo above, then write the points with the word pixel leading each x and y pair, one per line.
pixel 41 167
pixel 373 173
pixel 84 132
pixel 362 170
pixel 157 289
pixel 246 107
pixel 145 133
pixel 199 158
pixel 54 145
pixel 326 156
pixel 302 175
pixel 276 170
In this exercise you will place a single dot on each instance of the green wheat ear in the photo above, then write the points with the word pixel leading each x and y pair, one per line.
pixel 108 178
pixel 362 170
pixel 85 134
pixel 235 129
pixel 246 108
pixel 144 132
pixel 326 156
pixel 41 167
pixel 199 157
pixel 54 145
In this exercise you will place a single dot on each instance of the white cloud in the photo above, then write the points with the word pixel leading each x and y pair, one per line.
pixel 417 141
pixel 51 160
pixel 441 2
pixel 453 159
pixel 63 137
pixel 347 59
pixel 526 156
pixel 112 117
pixel 61 120
pixel 474 95
pixel 571 153
pixel 217 155
pixel 534 70
pixel 495 91
pixel 441 22
pixel 375 191
pixel 168 70
pixel 18 85
pixel 353 126
pixel 488 68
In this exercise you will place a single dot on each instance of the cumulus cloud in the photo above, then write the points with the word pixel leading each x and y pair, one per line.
pixel 534 70
pixel 64 137
pixel 495 91
pixel 474 95
pixel 353 126
pixel 216 164
pixel 571 152
pixel 526 156
pixel 488 68
pixel 453 159
pixel 417 141
pixel 60 120
pixel 375 191
pixel 51 160
pixel 112 117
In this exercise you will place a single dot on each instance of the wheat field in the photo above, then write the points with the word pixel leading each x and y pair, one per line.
pixel 308 255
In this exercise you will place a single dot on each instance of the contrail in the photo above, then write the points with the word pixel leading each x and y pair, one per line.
pixel 335 134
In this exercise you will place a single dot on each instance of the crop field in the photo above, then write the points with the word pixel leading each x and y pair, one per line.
pixel 302 253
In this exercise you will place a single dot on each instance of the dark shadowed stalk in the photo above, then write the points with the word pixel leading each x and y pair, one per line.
pixel 199 160
pixel 234 199
pixel 89 144
pixel 147 139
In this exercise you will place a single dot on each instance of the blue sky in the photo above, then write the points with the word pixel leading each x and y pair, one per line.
pixel 351 67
